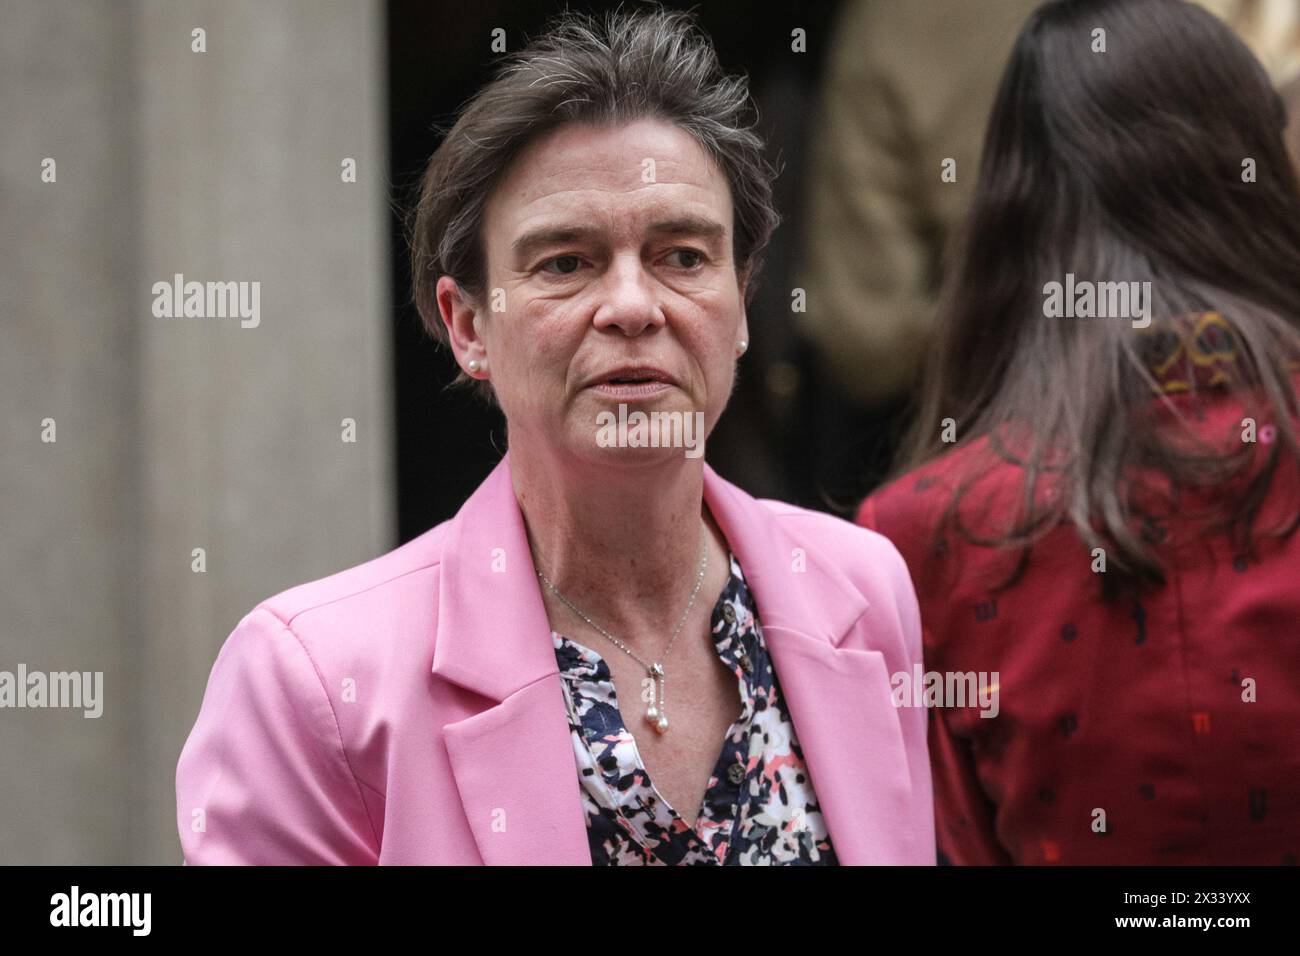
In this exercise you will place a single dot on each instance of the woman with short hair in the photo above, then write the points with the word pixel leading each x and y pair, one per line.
pixel 585 242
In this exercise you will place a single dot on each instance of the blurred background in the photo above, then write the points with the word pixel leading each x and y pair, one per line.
pixel 160 476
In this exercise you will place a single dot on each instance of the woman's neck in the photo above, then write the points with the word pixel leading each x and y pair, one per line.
pixel 621 544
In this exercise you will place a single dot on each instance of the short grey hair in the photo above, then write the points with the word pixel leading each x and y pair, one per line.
pixel 648 63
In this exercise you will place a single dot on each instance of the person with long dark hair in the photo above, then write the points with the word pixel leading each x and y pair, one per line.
pixel 1098 494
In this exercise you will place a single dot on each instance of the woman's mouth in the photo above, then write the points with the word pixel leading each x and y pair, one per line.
pixel 633 383
pixel 631 388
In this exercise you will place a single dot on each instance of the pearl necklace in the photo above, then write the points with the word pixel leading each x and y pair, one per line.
pixel 655 713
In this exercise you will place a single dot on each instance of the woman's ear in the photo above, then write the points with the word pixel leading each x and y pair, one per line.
pixel 462 317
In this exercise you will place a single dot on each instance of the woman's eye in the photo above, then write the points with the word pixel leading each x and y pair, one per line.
pixel 567 265
pixel 690 263
pixel 569 259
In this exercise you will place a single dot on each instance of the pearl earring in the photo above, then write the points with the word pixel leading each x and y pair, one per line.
pixel 474 365
pixel 741 346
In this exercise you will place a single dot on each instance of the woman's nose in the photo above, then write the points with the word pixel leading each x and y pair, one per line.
pixel 628 298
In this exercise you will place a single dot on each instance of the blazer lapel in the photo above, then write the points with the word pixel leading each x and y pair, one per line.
pixel 852 742
pixel 838 697
pixel 513 762
pixel 518 781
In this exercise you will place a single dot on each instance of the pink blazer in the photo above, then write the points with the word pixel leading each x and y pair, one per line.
pixel 409 710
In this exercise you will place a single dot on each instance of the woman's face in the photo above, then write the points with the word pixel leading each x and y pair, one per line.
pixel 607 250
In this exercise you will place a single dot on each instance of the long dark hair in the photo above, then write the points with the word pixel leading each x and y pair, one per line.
pixel 1160 159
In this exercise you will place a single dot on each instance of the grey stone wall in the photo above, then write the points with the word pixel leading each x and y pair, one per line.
pixel 172 433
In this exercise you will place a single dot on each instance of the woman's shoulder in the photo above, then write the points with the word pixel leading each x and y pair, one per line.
pixel 863 556
pixel 400 575
pixel 338 622
pixel 828 532
pixel 972 487
pixel 915 495
pixel 991 481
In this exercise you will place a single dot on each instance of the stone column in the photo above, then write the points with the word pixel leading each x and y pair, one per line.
pixel 225 434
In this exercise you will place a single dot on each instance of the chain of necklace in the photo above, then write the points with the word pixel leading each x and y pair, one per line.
pixel 655 712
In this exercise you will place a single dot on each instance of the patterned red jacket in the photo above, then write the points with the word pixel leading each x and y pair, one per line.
pixel 1159 730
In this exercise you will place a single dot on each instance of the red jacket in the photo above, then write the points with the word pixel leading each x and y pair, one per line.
pixel 1134 714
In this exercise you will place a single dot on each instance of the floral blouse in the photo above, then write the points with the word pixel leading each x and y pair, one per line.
pixel 759 808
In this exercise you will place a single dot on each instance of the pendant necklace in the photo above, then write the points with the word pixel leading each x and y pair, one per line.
pixel 655 714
